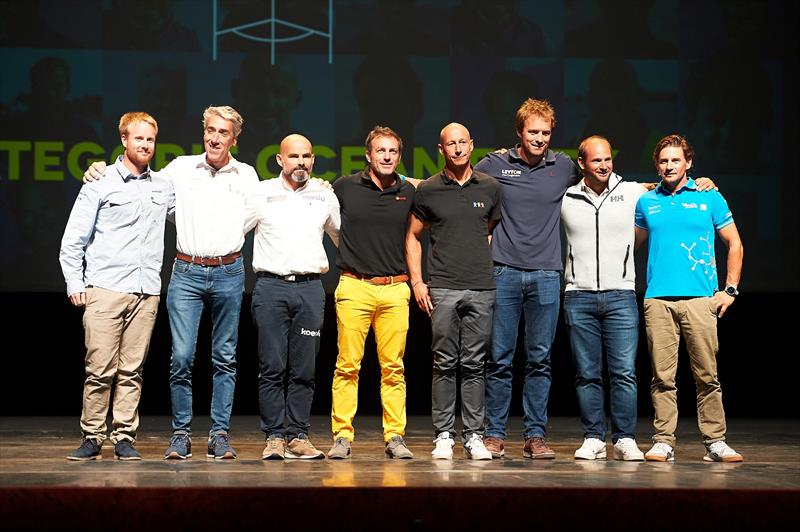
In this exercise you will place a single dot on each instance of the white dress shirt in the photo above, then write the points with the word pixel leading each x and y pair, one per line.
pixel 210 204
pixel 290 225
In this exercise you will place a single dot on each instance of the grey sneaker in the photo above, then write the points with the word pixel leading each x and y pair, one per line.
pixel 719 451
pixel 88 450
pixel 340 449
pixel 124 450
pixel 397 448
pixel 219 447
pixel 301 448
pixel 180 447
pixel 275 448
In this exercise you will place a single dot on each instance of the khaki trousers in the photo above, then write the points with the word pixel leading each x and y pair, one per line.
pixel 696 320
pixel 118 327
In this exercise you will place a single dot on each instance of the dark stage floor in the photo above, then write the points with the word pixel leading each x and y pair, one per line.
pixel 40 489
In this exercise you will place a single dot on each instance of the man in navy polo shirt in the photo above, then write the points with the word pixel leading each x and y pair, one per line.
pixel 526 249
pixel 460 207
pixel 682 296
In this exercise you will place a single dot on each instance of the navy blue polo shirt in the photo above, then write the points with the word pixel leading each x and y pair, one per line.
pixel 680 249
pixel 372 240
pixel 529 233
pixel 459 256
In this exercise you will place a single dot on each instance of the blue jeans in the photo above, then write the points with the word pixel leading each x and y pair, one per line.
pixel 191 288
pixel 534 296
pixel 288 317
pixel 604 323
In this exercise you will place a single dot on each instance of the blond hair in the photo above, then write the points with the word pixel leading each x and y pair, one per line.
pixel 539 108
pixel 126 120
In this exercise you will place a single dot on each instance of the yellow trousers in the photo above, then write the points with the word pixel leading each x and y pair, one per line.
pixel 359 306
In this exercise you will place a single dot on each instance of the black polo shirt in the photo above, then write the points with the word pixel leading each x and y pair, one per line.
pixel 372 240
pixel 459 256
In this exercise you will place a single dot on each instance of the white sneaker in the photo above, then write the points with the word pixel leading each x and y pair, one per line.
pixel 592 449
pixel 475 449
pixel 719 451
pixel 660 452
pixel 626 449
pixel 444 447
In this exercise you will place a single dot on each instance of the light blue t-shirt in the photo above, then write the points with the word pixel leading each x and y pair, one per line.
pixel 680 249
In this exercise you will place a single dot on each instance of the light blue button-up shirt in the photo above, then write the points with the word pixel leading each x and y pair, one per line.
pixel 114 238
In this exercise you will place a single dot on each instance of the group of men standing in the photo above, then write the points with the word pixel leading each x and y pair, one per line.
pixel 494 260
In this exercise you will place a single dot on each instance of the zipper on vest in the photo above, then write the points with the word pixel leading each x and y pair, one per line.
pixel 572 263
pixel 625 262
pixel 597 243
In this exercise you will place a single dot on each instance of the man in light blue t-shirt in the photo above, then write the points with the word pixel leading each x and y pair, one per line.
pixel 683 296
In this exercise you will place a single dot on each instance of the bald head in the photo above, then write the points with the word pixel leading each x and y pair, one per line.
pixel 453 128
pixel 456 146
pixel 295 159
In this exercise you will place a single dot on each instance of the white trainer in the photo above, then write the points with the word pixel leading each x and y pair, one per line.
pixel 660 452
pixel 592 449
pixel 627 450
pixel 474 448
pixel 719 451
pixel 444 447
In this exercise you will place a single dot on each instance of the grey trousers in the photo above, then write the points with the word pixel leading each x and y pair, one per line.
pixel 461 324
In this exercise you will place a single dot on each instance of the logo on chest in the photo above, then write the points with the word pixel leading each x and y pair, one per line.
pixel 478 205
pixel 617 198
pixel 511 172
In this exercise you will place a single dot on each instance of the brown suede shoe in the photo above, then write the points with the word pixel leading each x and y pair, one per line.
pixel 494 445
pixel 537 449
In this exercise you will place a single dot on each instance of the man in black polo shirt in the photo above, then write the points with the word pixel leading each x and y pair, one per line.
pixel 372 290
pixel 460 207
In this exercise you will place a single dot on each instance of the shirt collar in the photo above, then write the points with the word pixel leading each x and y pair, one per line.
pixel 690 185
pixel 232 166
pixel 446 179
pixel 549 156
pixel 126 174
pixel 367 181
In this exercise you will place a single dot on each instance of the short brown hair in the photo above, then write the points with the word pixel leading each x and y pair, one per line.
pixel 382 131
pixel 531 107
pixel 226 112
pixel 675 141
pixel 127 119
pixel 585 142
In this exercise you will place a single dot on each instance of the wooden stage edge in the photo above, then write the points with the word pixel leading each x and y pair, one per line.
pixel 41 490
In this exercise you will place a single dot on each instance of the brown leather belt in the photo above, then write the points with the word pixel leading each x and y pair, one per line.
pixel 388 279
pixel 209 261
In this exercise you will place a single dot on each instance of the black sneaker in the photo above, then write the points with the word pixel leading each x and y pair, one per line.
pixel 219 447
pixel 180 447
pixel 124 451
pixel 89 450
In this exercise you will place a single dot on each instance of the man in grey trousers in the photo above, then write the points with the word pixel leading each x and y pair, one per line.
pixel 460 207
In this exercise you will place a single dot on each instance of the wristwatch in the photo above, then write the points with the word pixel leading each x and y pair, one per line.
pixel 731 291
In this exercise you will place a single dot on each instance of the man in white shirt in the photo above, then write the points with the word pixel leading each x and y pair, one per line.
pixel 210 192
pixel 290 214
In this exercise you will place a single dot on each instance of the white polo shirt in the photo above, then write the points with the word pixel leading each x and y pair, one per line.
pixel 290 225
pixel 600 236
pixel 210 204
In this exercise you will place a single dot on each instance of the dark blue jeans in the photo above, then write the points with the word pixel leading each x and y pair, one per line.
pixel 604 324
pixel 288 317
pixel 191 288
pixel 535 297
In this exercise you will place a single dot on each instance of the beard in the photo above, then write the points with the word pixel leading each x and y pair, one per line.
pixel 300 176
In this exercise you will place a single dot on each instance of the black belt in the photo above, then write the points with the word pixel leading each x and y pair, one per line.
pixel 292 278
